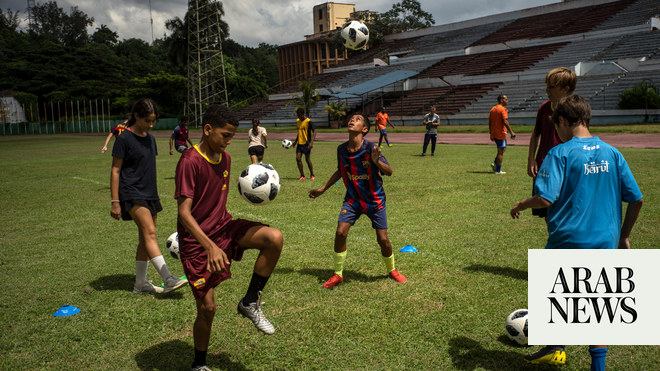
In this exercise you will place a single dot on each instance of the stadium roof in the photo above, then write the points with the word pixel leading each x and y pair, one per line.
pixel 374 84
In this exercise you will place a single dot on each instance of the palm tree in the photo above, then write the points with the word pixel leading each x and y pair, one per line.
pixel 309 96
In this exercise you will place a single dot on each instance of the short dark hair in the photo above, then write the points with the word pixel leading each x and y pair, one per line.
pixel 501 97
pixel 183 119
pixel 255 121
pixel 142 107
pixel 300 110
pixel 218 116
pixel 575 109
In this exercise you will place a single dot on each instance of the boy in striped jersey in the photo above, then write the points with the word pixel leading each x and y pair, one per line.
pixel 359 164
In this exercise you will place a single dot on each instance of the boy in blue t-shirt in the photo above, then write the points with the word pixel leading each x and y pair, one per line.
pixel 359 164
pixel 582 182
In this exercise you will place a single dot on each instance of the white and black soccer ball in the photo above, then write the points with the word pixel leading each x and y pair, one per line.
pixel 287 143
pixel 354 35
pixel 259 184
pixel 172 245
pixel 516 326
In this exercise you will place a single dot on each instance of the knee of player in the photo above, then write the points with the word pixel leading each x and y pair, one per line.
pixel 341 233
pixel 276 239
pixel 207 310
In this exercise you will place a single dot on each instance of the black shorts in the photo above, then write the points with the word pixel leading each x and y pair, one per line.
pixel 256 151
pixel 154 207
pixel 303 148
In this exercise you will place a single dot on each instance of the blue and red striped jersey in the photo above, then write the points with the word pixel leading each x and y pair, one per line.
pixel 364 185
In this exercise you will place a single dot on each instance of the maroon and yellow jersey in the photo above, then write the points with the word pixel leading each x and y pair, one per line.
pixel 119 128
pixel 207 183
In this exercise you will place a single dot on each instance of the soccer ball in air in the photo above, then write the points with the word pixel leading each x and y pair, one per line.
pixel 516 326
pixel 354 35
pixel 287 143
pixel 259 184
pixel 172 245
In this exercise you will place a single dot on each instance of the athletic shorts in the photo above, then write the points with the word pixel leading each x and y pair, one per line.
pixel 350 215
pixel 181 148
pixel 383 131
pixel 256 151
pixel 303 148
pixel 501 143
pixel 199 278
pixel 154 207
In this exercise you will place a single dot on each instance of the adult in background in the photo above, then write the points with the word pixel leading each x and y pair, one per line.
pixel 432 121
pixel 258 142
pixel 498 123
pixel 304 143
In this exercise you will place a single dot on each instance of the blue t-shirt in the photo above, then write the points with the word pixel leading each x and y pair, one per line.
pixel 364 185
pixel 586 180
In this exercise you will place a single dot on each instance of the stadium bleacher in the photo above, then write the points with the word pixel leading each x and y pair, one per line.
pixel 463 66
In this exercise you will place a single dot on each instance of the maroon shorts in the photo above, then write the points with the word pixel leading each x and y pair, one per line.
pixel 199 278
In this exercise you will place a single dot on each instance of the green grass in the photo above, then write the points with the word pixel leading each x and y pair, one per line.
pixel 61 247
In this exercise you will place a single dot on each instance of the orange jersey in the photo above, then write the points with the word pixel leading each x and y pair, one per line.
pixel 498 115
pixel 381 120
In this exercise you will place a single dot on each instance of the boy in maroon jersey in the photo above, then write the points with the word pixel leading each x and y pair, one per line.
pixel 209 239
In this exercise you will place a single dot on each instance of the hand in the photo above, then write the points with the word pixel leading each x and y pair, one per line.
pixel 314 193
pixel 515 211
pixel 310 145
pixel 375 155
pixel 104 149
pixel 513 136
pixel 171 152
pixel 532 168
pixel 624 243
pixel 217 260
pixel 115 210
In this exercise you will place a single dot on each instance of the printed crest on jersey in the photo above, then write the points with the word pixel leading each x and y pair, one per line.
pixel 200 283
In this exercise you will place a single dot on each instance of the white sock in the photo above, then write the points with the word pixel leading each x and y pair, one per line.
pixel 161 267
pixel 141 272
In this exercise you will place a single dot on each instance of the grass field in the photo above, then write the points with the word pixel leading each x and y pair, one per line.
pixel 59 246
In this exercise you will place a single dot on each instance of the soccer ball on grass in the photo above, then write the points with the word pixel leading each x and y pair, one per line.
pixel 259 184
pixel 172 245
pixel 354 35
pixel 287 143
pixel 516 326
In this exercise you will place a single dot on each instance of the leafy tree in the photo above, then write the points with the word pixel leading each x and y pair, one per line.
pixel 308 97
pixel 106 36
pixel 9 21
pixel 643 95
pixel 52 23
pixel 405 16
pixel 177 43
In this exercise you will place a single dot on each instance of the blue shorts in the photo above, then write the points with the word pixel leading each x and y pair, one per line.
pixel 350 215
pixel 501 143
pixel 383 131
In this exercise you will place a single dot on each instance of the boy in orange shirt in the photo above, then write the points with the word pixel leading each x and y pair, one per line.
pixel 498 124
pixel 382 119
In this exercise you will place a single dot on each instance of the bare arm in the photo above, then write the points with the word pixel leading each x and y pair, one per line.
pixel 265 140
pixel 171 140
pixel 490 130
pixel 532 166
pixel 508 127
pixel 632 212
pixel 536 202
pixel 115 209
pixel 105 145
pixel 384 168
pixel 390 122
pixel 314 193
pixel 311 139
pixel 217 259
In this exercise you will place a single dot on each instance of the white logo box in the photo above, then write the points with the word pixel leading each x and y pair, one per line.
pixel 630 284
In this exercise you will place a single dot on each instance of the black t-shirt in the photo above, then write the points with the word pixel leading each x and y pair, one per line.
pixel 137 177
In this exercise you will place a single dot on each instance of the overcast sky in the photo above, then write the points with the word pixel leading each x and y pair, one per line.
pixel 255 21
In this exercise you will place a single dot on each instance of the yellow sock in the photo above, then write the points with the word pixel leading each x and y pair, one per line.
pixel 339 258
pixel 389 262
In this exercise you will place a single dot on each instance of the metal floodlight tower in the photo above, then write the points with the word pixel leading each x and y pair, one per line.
pixel 206 69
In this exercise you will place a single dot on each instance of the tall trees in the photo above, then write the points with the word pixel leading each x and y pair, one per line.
pixel 407 15
pixel 51 22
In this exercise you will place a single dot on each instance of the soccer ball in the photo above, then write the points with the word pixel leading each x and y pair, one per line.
pixel 172 245
pixel 516 326
pixel 287 143
pixel 354 35
pixel 259 184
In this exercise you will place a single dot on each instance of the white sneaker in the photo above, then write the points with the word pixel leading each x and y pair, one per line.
pixel 201 368
pixel 254 313
pixel 501 172
pixel 173 283
pixel 148 288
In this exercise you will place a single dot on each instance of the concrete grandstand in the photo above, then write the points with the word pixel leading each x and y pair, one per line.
pixel 462 67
